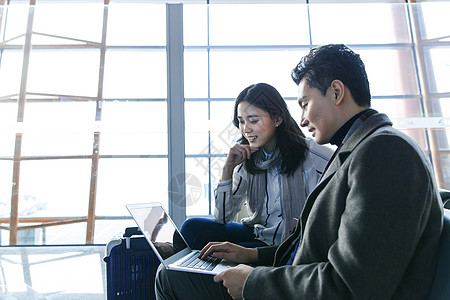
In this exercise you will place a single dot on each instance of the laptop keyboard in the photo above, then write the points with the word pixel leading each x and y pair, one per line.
pixel 194 262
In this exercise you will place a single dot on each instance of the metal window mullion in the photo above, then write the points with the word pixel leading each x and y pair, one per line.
pixel 419 54
pixel 175 113
pixel 2 10
pixel 209 108
pixel 14 216
pixel 90 226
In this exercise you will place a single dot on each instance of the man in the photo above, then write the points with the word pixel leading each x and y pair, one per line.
pixel 371 227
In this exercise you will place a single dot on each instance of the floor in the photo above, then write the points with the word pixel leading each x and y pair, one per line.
pixel 53 272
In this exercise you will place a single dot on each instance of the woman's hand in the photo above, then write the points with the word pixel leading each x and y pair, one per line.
pixel 237 154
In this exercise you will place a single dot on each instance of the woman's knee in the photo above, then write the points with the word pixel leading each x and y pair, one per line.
pixel 193 231
pixel 194 224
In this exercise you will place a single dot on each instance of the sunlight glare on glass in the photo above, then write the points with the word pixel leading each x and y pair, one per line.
pixel 262 24
pixel 358 23
pixel 76 21
pixel 10 72
pixel 17 20
pixel 435 19
pixel 440 58
pixel 136 24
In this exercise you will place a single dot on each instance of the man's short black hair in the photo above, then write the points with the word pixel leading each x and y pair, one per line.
pixel 326 63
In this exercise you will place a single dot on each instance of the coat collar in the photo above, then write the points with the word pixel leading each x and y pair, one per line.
pixel 373 123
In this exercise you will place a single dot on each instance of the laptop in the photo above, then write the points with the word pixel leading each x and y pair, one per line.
pixel 168 244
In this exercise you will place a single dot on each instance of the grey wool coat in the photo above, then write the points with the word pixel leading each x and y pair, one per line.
pixel 369 230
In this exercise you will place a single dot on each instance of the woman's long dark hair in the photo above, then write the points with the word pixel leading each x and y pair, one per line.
pixel 290 139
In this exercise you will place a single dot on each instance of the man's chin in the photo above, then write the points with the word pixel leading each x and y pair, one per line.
pixel 319 140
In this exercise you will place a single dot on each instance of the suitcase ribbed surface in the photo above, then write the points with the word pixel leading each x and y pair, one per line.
pixel 131 272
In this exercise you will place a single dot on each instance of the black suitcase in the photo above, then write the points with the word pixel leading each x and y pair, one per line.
pixel 130 267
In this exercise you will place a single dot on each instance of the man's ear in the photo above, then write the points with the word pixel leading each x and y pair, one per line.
pixel 338 89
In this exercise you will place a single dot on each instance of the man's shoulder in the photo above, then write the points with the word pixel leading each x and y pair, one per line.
pixel 389 146
pixel 388 134
pixel 378 129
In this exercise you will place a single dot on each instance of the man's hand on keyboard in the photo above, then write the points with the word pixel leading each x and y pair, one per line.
pixel 229 251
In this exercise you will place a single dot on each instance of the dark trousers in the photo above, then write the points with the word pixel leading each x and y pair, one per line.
pixel 188 286
pixel 200 231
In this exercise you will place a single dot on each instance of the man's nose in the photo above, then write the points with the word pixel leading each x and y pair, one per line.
pixel 303 120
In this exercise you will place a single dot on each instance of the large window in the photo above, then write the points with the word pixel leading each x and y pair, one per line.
pixel 84 117
pixel 263 43
pixel 86 110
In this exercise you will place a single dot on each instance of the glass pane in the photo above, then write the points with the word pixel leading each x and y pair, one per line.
pixel 63 19
pixel 17 21
pixel 135 74
pixel 8 127
pixel 217 164
pixel 196 127
pixel 398 108
pixel 10 72
pixel 359 23
pixel 52 188
pixel 444 133
pixel 439 70
pixel 130 180
pixel 106 230
pixel 262 24
pixel 295 111
pixel 435 23
pixel 401 77
pixel 195 74
pixel 441 108
pixel 195 24
pixel 445 160
pixel 86 271
pixel 66 234
pixel 67 72
pixel 134 127
pixel 401 112
pixel 197 185
pixel 198 168
pixel 223 133
pixel 64 272
pixel 58 128
pixel 4 236
pixel 146 22
pixel 232 71
pixel 8 116
pixel 6 176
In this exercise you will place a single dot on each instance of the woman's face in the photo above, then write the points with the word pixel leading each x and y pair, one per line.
pixel 257 126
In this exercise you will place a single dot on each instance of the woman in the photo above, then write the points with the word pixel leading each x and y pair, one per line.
pixel 273 167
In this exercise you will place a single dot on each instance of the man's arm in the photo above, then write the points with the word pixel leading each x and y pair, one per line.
pixel 387 195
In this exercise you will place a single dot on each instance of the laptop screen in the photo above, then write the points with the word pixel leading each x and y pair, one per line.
pixel 159 228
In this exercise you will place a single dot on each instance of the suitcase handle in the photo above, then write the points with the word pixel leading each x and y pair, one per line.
pixel 129 232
